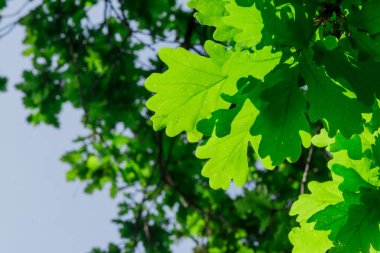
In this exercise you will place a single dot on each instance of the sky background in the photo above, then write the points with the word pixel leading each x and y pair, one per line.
pixel 40 212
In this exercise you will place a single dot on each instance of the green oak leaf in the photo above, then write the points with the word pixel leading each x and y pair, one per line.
pixel 373 124
pixel 282 118
pixel 368 17
pixel 211 13
pixel 353 146
pixel 243 24
pixel 258 64
pixel 289 23
pixel 321 196
pixel 322 139
pixel 329 102
pixel 346 208
pixel 354 223
pixel 369 47
pixel 245 3
pixel 376 151
pixel 353 74
pixel 306 239
pixel 361 232
pixel 363 167
pixel 228 155
pixel 358 153
pixel 248 21
pixel 190 89
pixel 221 120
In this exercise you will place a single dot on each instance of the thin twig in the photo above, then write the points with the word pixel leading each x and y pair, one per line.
pixel 17 12
pixel 147 234
pixel 8 28
pixel 307 167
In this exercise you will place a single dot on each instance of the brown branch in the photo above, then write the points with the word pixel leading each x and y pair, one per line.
pixel 307 167
pixel 147 234
pixel 8 28
pixel 146 197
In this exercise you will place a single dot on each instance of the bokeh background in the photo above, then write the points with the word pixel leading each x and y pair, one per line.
pixel 40 211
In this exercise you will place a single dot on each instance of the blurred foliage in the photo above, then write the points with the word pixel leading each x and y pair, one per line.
pixel 95 56
pixel 3 80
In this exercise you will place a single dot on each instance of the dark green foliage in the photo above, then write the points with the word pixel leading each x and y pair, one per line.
pixel 278 73
pixel 3 84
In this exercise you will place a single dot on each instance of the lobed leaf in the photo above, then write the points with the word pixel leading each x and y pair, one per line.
pixel 191 88
pixel 282 118
pixel 329 102
pixel 228 155
pixel 188 91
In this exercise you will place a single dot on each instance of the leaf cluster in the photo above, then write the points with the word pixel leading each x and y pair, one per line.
pixel 276 75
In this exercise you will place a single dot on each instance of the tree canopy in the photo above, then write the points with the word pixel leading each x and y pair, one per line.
pixel 279 97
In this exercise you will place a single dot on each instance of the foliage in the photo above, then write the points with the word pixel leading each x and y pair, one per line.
pixel 275 70
pixel 97 63
pixel 289 86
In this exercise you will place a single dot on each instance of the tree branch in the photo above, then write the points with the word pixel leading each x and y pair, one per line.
pixel 307 167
